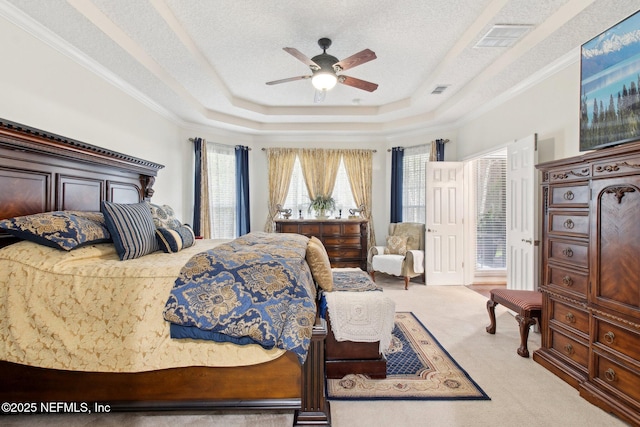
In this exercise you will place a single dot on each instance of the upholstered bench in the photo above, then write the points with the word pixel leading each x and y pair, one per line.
pixel 528 305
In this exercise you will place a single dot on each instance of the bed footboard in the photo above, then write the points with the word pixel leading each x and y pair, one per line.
pixel 277 385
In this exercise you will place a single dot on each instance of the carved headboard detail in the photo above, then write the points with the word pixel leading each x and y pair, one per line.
pixel 42 172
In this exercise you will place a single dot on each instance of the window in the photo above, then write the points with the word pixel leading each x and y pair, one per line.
pixel 342 192
pixel 490 173
pixel 298 196
pixel 414 206
pixel 222 190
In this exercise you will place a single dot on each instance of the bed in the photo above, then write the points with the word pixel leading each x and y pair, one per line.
pixel 42 172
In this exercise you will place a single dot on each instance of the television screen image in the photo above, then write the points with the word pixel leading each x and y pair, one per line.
pixel 609 86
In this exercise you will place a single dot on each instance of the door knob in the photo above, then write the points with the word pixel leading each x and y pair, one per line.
pixel 431 231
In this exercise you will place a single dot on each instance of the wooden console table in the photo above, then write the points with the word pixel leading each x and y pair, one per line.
pixel 344 239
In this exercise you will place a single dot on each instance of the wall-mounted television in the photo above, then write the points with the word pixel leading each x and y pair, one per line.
pixel 610 86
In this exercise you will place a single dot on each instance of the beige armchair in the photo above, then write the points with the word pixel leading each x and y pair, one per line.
pixel 403 255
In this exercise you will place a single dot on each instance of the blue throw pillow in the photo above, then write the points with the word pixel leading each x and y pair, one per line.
pixel 175 240
pixel 164 216
pixel 59 229
pixel 132 228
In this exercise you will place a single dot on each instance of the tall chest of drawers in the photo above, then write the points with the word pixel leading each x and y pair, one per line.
pixel 591 276
pixel 345 240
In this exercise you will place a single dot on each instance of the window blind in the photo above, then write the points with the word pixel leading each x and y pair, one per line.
pixel 222 190
pixel 414 191
pixel 490 174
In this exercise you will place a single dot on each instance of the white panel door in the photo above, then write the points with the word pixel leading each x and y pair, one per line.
pixel 445 233
pixel 522 218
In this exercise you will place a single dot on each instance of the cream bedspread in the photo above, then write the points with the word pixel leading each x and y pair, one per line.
pixel 86 310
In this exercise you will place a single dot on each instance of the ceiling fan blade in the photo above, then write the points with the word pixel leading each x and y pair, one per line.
pixel 357 83
pixel 302 57
pixel 290 79
pixel 355 60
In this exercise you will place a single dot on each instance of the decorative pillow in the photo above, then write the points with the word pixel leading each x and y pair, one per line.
pixel 175 240
pixel 164 216
pixel 93 216
pixel 318 261
pixel 132 228
pixel 58 229
pixel 396 245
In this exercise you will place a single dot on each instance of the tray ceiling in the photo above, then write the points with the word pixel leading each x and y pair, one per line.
pixel 206 62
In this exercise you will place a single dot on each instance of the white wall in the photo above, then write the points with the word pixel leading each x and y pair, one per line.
pixel 42 88
pixel 549 108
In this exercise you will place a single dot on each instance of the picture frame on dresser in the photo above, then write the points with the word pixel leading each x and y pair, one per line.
pixel 609 85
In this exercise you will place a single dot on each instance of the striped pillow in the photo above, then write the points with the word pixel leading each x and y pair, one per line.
pixel 174 240
pixel 132 228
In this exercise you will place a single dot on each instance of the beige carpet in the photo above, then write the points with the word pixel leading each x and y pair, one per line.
pixel 522 392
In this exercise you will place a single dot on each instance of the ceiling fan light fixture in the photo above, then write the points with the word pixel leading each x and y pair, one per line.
pixel 324 80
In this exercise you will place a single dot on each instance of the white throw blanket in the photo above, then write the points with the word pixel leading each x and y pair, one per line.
pixel 361 317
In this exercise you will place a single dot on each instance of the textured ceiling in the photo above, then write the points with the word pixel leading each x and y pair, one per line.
pixel 207 62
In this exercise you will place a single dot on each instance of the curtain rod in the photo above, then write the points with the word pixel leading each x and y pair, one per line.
pixel 373 151
pixel 192 140
pixel 444 140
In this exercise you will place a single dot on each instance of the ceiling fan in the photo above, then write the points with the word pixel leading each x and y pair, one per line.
pixel 324 69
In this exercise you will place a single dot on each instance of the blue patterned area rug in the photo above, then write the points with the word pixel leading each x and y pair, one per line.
pixel 418 368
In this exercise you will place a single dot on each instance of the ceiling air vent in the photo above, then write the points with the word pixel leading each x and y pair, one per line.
pixel 439 89
pixel 503 35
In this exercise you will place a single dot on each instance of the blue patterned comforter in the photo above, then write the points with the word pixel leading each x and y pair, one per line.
pixel 255 289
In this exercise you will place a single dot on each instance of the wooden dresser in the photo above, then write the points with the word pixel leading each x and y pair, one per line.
pixel 345 240
pixel 591 276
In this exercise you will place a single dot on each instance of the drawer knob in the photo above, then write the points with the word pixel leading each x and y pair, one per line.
pixel 570 317
pixel 568 348
pixel 568 195
pixel 609 337
pixel 567 281
pixel 567 252
pixel 610 375
pixel 569 224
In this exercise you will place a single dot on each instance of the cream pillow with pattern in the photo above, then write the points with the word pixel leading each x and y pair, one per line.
pixel 396 245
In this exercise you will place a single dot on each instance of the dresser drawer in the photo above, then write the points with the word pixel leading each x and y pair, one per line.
pixel 571 281
pixel 335 252
pixel 290 228
pixel 617 338
pixel 621 378
pixel 351 228
pixel 310 229
pixel 570 348
pixel 331 229
pixel 570 316
pixel 569 223
pixel 574 253
pixel 353 241
pixel 574 195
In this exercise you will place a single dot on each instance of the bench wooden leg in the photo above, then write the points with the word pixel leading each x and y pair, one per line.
pixel 406 282
pixel 491 308
pixel 525 323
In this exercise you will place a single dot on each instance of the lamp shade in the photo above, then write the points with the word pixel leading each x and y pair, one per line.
pixel 324 80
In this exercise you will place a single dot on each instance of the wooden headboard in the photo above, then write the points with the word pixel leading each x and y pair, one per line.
pixel 42 172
